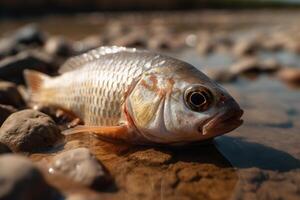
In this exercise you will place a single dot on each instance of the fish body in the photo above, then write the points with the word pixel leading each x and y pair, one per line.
pixel 150 96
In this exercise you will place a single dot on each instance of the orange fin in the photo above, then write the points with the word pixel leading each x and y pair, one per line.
pixel 111 132
pixel 34 79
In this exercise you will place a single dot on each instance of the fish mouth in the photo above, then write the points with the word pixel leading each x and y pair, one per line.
pixel 223 122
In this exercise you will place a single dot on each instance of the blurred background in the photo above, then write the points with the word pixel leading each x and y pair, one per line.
pixel 19 7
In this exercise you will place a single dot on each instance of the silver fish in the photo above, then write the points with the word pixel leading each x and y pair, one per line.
pixel 138 96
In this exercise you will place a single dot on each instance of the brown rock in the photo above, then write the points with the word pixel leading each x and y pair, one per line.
pixel 21 180
pixel 254 65
pixel 245 47
pixel 5 111
pixel 134 39
pixel 10 95
pixel 29 131
pixel 290 75
pixel 8 47
pixel 80 165
pixel 219 75
pixel 269 65
pixel 151 156
pixel 87 44
pixel 205 47
pixel 59 46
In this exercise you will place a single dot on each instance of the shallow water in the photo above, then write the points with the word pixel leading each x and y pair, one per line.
pixel 267 143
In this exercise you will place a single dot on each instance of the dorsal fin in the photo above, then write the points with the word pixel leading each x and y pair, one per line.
pixel 95 54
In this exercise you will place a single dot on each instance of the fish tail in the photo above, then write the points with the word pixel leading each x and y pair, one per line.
pixel 35 81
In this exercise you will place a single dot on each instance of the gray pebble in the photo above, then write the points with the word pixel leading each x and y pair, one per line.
pixel 21 180
pixel 80 165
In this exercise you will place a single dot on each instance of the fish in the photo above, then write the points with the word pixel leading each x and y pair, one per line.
pixel 137 96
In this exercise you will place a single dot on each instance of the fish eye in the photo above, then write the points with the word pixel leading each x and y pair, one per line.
pixel 198 98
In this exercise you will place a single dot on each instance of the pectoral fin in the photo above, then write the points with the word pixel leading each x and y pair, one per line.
pixel 121 132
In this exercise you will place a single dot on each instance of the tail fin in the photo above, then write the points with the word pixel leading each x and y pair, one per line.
pixel 34 81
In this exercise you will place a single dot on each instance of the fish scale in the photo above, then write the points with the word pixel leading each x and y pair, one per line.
pixel 95 90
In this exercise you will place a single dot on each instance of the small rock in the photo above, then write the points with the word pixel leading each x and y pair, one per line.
pixel 87 44
pixel 4 149
pixel 293 45
pixel 205 47
pixel 253 65
pixel 5 111
pixel 8 47
pixel 290 75
pixel 29 131
pixel 133 39
pixel 159 43
pixel 270 65
pixel 21 180
pixel 29 34
pixel 219 75
pixel 246 65
pixel 80 165
pixel 11 68
pixel 59 46
pixel 18 41
pixel 151 156
pixel 10 95
pixel 272 45
pixel 245 47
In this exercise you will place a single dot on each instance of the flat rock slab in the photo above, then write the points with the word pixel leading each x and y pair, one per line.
pixel 29 131
pixel 21 180
pixel 81 166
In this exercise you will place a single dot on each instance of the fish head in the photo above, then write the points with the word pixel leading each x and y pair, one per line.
pixel 181 104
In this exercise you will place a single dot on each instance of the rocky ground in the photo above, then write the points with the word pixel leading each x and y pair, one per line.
pixel 34 151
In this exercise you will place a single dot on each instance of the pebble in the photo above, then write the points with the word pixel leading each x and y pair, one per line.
pixel 81 166
pixel 220 75
pixel 245 47
pixel 29 34
pixel 59 46
pixel 5 111
pixel 87 44
pixel 205 47
pixel 29 131
pixel 10 95
pixel 8 47
pixel 254 65
pixel 20 39
pixel 134 39
pixel 11 68
pixel 21 180
pixel 290 75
